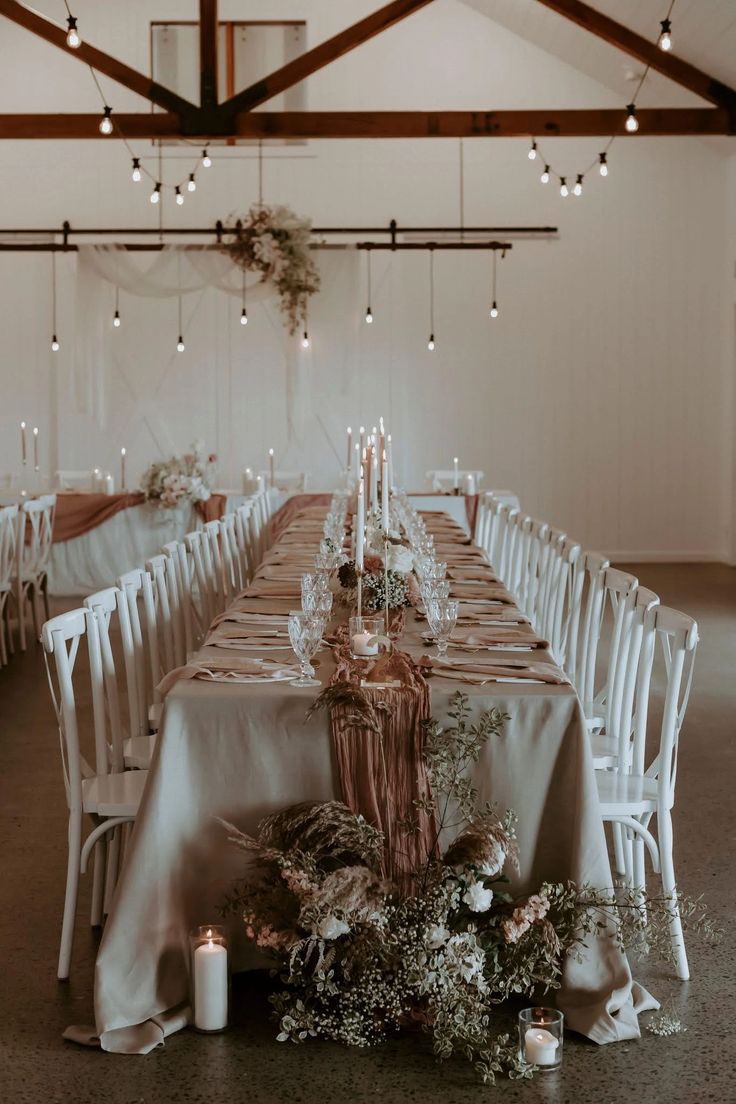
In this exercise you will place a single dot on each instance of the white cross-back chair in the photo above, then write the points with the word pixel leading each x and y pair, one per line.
pixel 247 538
pixel 35 527
pixel 502 555
pixel 586 605
pixel 614 603
pixel 8 559
pixel 557 602
pixel 138 594
pixel 198 546
pixel 106 793
pixel 182 568
pixel 232 562
pixel 633 794
pixel 172 616
pixel 215 565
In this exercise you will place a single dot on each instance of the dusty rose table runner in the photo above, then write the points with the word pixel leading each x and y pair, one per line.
pixel 79 512
pixel 241 751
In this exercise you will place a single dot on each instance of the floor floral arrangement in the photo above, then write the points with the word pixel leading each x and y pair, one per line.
pixel 358 960
pixel 275 242
pixel 180 479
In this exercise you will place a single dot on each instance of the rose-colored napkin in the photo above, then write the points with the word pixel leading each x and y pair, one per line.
pixel 285 573
pixel 260 621
pixel 475 574
pixel 274 588
pixel 495 670
pixel 247 637
pixel 229 669
pixel 476 614
pixel 490 592
pixel 485 637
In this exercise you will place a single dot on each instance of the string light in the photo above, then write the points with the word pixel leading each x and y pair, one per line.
pixel 544 178
pixel 54 339
pixel 532 155
pixel 179 196
pixel 430 343
pixel 136 174
pixel 116 316
pixel 632 123
pixel 244 312
pixel 73 39
pixel 156 193
pixel 106 121
pixel 564 190
pixel 603 166
pixel 180 346
pixel 578 189
pixel 305 340
pixel 368 312
pixel 665 36
pixel 180 342
pixel 192 185
pixel 206 159
pixel 494 305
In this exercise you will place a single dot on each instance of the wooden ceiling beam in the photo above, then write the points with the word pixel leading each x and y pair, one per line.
pixel 100 61
pixel 302 125
pixel 666 63
pixel 329 50
pixel 208 53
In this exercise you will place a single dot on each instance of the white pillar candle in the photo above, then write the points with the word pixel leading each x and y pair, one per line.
pixel 540 1047
pixel 455 472
pixel 384 495
pixel 270 467
pixel 349 460
pixel 122 469
pixel 210 987
pixel 360 644
pixel 23 452
pixel 360 528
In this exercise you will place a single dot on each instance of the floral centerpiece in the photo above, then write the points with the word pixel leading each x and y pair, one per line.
pixel 402 586
pixel 275 242
pixel 170 483
pixel 358 959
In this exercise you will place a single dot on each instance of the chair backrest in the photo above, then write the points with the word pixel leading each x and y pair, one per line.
pixel 170 624
pixel 137 590
pixel 503 552
pixel 198 545
pixel 294 481
pixel 182 568
pixel 61 637
pixel 215 565
pixel 678 638
pixel 245 525
pixel 610 591
pixel 232 562
pixel 35 529
pixel 111 612
pixel 585 608
pixel 8 545
pixel 558 608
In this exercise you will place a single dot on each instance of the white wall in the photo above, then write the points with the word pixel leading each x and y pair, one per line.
pixel 603 392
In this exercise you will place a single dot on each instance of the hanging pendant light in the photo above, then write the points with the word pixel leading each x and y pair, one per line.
pixel 368 311
pixel 244 311
pixel 431 342
pixel 494 303
pixel 54 339
pixel 116 315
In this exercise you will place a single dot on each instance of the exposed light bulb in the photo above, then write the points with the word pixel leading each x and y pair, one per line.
pixel 564 190
pixel 106 121
pixel 494 309
pixel 54 344
pixel 244 317
pixel 369 316
pixel 532 155
pixel 73 38
pixel 430 343
pixel 180 344
pixel 206 159
pixel 192 185
pixel 116 319
pixel 179 196
pixel 603 167
pixel 578 189
pixel 665 38
pixel 156 193
pixel 305 340
pixel 632 123
pixel 136 174
pixel 544 178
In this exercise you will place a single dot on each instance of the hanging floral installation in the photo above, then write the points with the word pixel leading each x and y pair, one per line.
pixel 275 242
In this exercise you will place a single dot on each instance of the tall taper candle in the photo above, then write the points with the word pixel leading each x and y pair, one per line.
pixel 361 439
pixel 349 460
pixel 390 458
pixel 455 473
pixel 23 453
pixel 360 528
pixel 384 495
pixel 35 448
pixel 374 481
pixel 356 450
pixel 270 467
pixel 122 468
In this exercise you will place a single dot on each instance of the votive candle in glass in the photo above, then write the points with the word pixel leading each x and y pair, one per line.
pixel 541 1037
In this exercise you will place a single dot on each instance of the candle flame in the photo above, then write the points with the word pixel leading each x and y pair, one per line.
pixel 22 425
pixel 35 431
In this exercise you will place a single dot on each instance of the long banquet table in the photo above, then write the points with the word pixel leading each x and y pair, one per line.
pixel 240 751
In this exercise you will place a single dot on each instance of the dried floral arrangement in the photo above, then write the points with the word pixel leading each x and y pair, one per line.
pixel 402 586
pixel 275 242
pixel 187 478
pixel 358 960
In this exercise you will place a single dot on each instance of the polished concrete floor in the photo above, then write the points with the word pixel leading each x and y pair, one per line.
pixel 247 1064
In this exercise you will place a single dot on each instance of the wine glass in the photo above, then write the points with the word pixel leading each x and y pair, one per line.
pixel 442 618
pixel 305 634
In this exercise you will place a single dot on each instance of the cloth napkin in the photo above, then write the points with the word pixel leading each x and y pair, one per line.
pixel 474 574
pixel 283 572
pixel 247 637
pixel 229 669
pixel 478 671
pixel 486 637
pixel 274 588
pixel 476 614
pixel 259 621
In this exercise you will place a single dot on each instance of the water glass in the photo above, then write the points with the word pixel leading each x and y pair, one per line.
pixel 442 618
pixel 305 634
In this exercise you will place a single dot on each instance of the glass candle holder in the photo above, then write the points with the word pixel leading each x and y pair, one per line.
pixel 541 1037
pixel 209 977
pixel 362 630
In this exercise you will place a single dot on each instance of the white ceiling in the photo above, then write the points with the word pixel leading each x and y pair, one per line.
pixel 703 32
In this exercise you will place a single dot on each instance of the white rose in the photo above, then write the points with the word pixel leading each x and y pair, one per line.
pixel 400 559
pixel 332 928
pixel 437 935
pixel 477 897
